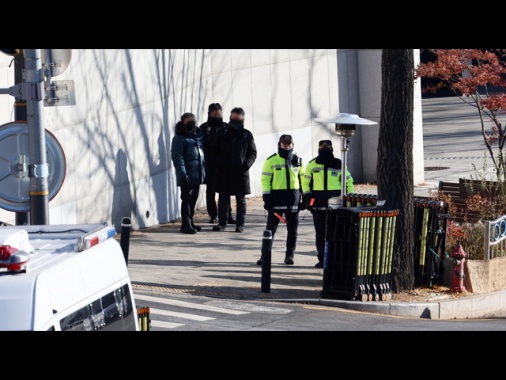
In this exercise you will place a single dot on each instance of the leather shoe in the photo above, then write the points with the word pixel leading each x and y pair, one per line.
pixel 239 229
pixel 219 228
pixel 212 220
pixel 188 230
pixel 259 261
pixel 289 260
pixel 231 221
pixel 319 264
pixel 198 228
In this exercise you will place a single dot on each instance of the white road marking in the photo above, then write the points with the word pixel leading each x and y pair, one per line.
pixel 165 325
pixel 166 313
pixel 189 305
pixel 252 307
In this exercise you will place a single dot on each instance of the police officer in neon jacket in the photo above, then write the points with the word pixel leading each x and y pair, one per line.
pixel 320 182
pixel 281 192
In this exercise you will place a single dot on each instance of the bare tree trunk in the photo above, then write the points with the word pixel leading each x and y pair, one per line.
pixel 395 158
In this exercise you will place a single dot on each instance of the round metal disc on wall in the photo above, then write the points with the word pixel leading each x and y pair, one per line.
pixel 14 162
pixel 58 59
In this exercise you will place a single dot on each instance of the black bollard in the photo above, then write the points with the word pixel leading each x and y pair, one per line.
pixel 266 261
pixel 126 227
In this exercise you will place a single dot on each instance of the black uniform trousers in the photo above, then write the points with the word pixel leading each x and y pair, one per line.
pixel 292 225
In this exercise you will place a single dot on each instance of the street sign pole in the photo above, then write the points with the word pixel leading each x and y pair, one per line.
pixel 38 167
pixel 22 218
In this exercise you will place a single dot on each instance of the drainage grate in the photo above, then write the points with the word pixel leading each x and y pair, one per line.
pixel 435 168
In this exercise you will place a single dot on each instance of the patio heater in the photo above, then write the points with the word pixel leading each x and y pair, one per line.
pixel 345 125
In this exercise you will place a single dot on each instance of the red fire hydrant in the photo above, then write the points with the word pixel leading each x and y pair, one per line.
pixel 459 257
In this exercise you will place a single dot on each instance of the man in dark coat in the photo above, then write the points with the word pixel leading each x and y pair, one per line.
pixel 234 153
pixel 213 124
pixel 188 160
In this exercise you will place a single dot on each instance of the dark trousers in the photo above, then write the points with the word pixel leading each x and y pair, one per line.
pixel 320 222
pixel 189 196
pixel 224 209
pixel 292 225
pixel 212 205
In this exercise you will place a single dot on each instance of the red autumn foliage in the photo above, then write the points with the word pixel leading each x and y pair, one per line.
pixel 478 77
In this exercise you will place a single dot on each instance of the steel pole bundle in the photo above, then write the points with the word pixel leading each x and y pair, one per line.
pixel 358 256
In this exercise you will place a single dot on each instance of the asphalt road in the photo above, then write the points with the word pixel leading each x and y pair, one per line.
pixel 180 312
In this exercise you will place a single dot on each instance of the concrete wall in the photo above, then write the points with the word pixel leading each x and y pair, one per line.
pixel 117 137
pixel 485 276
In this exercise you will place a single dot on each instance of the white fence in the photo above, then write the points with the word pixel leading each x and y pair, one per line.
pixel 495 238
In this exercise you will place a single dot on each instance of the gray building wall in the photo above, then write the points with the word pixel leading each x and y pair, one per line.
pixel 117 137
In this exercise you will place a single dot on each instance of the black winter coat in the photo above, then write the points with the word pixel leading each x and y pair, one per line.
pixel 188 155
pixel 234 153
pixel 208 136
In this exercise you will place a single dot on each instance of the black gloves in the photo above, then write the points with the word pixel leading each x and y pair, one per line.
pixel 185 181
pixel 302 205
pixel 307 200
pixel 267 202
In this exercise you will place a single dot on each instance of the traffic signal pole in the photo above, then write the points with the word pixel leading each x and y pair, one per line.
pixel 22 218
pixel 38 167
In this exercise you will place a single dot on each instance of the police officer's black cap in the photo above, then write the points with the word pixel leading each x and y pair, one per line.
pixel 286 139
pixel 325 144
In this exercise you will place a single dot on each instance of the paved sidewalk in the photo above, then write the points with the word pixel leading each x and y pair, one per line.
pixel 223 264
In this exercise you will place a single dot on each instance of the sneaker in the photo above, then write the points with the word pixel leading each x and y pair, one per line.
pixel 289 260
pixel 231 221
pixel 239 229
pixel 212 220
pixel 319 264
pixel 188 230
pixel 219 228
pixel 259 262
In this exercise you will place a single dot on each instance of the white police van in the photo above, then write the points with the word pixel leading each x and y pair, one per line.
pixel 64 278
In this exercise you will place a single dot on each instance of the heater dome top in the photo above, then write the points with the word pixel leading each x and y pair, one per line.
pixel 346 118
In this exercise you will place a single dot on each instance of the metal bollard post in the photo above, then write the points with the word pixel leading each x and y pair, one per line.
pixel 266 261
pixel 126 227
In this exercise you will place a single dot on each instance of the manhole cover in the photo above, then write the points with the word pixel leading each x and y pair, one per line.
pixel 435 168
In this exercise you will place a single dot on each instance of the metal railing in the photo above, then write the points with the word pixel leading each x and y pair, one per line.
pixel 495 238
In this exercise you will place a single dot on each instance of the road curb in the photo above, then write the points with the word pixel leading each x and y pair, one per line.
pixel 479 306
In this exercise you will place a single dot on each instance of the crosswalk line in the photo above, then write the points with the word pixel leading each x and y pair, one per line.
pixel 165 325
pixel 189 305
pixel 166 313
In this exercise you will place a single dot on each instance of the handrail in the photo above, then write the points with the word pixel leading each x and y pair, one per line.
pixel 495 238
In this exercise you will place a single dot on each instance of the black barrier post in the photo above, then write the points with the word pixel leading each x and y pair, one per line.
pixel 126 227
pixel 266 261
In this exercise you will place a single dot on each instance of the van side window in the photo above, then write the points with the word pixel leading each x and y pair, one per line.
pixel 77 321
pixel 112 312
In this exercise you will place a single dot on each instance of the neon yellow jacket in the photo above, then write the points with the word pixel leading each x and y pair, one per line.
pixel 281 180
pixel 324 181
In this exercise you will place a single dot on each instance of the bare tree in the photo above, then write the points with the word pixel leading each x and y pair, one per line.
pixel 395 158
